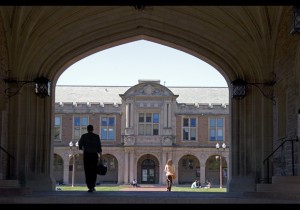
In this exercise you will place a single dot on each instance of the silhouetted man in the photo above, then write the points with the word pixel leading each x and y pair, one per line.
pixel 90 143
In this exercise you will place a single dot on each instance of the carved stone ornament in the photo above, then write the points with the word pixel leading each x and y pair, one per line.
pixel 167 141
pixel 129 141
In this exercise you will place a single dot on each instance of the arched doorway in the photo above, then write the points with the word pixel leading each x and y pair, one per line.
pixel 52 60
pixel 188 169
pixel 79 176
pixel 216 172
pixel 111 176
pixel 148 170
pixel 58 169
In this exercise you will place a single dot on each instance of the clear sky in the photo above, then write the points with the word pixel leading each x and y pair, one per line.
pixel 125 64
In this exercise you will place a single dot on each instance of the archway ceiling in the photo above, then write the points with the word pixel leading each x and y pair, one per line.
pixel 240 40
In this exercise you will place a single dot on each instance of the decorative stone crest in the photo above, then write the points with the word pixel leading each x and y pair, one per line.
pixel 129 141
pixel 149 89
pixel 167 141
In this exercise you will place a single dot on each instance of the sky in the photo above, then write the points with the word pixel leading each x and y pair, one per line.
pixel 125 64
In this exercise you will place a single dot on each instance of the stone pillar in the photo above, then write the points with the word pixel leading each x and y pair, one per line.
pixel 66 170
pixel 167 115
pixel 4 63
pixel 4 144
pixel 164 116
pixel 169 106
pixel 31 139
pixel 202 173
pixel 132 174
pixel 297 162
pixel 126 167
pixel 127 115
pixel 132 121
pixel 251 141
pixel 162 168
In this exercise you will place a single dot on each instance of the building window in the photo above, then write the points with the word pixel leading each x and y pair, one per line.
pixel 57 128
pixel 216 129
pixel 148 124
pixel 80 126
pixel 189 129
pixel 107 128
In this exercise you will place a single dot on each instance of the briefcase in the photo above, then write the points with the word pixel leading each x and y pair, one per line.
pixel 101 168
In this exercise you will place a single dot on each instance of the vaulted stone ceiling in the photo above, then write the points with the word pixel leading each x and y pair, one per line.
pixel 237 40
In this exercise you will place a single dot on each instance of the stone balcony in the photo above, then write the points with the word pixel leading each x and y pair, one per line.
pixel 148 140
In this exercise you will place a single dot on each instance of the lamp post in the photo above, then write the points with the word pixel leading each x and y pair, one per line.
pixel 73 153
pixel 223 147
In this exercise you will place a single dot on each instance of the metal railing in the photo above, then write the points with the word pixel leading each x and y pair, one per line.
pixel 267 159
pixel 9 164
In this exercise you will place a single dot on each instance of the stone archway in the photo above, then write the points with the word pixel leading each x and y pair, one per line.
pixel 188 169
pixel 214 169
pixel 238 41
pixel 148 170
pixel 111 176
pixel 58 169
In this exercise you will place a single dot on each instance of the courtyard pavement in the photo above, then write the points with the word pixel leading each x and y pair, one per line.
pixel 150 195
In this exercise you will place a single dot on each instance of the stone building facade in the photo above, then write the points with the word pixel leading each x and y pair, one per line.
pixel 140 128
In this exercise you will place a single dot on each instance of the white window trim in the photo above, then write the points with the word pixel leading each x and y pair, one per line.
pixel 100 127
pixel 181 129
pixel 149 112
pixel 216 117
pixel 60 128
pixel 73 126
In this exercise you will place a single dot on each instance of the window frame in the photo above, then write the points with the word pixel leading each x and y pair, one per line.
pixel 58 127
pixel 189 129
pixel 216 129
pixel 148 126
pixel 107 127
pixel 82 127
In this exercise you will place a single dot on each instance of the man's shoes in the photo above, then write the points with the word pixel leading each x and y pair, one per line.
pixel 94 189
pixel 90 190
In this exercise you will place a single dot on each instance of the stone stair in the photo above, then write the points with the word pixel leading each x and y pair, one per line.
pixel 13 188
pixel 281 186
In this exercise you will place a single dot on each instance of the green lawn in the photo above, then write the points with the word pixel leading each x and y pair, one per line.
pixel 189 189
pixel 118 187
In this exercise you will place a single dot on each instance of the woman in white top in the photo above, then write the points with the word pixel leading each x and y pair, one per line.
pixel 170 173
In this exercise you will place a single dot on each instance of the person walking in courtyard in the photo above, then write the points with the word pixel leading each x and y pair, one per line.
pixel 90 143
pixel 170 174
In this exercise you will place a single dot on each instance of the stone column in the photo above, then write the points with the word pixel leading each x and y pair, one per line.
pixel 66 170
pixel 163 117
pixel 162 168
pixel 169 115
pixel 4 144
pixel 202 173
pixel 251 140
pixel 132 174
pixel 166 115
pixel 127 115
pixel 126 167
pixel 132 121
pixel 31 137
